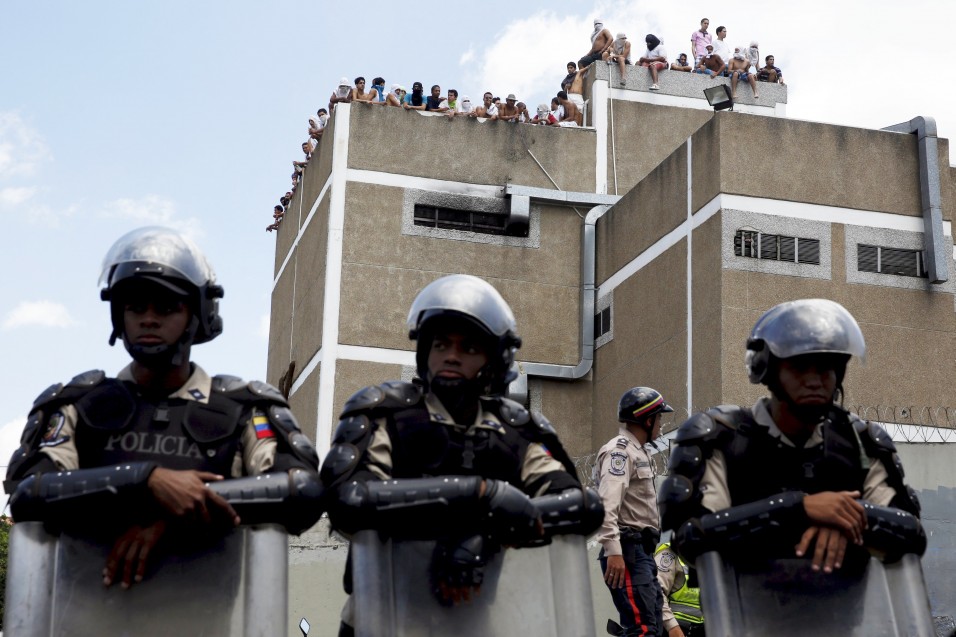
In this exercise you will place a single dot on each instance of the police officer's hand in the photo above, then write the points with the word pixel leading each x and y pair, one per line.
pixel 675 632
pixel 457 568
pixel 515 520
pixel 829 550
pixel 614 575
pixel 184 494
pixel 837 509
pixel 131 553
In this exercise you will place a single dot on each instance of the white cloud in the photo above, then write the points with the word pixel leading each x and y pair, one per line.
pixel 10 434
pixel 11 196
pixel 38 314
pixel 22 149
pixel 152 210
pixel 264 322
pixel 467 57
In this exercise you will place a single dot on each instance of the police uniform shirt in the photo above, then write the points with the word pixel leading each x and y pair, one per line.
pixel 670 575
pixel 716 493
pixel 257 453
pixel 536 463
pixel 625 477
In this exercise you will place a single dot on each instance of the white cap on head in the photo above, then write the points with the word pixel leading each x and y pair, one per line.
pixel 621 36
pixel 345 82
pixel 598 21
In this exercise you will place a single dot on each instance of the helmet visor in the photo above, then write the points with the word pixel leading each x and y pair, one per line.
pixel 465 295
pixel 810 326
pixel 159 247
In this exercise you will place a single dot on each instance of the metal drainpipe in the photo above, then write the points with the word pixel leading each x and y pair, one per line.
pixel 588 269
pixel 937 255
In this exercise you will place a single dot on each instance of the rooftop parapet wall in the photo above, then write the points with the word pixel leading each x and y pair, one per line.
pixel 811 162
pixel 393 140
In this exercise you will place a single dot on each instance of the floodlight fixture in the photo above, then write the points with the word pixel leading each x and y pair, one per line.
pixel 719 97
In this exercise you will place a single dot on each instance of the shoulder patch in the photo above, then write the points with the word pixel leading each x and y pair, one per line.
pixel 621 442
pixel 51 436
pixel 665 561
pixel 618 464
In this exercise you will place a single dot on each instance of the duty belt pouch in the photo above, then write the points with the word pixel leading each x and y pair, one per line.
pixel 649 539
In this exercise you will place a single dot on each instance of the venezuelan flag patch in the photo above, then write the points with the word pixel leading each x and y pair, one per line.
pixel 263 430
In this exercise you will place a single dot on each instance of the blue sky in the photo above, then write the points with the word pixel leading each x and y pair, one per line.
pixel 115 115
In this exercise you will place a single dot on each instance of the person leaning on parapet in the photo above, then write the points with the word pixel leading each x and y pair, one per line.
pixel 681 64
pixel 654 59
pixel 571 116
pixel 508 112
pixel 721 48
pixel 681 612
pixel 307 148
pixel 542 115
pixel 378 88
pixel 318 123
pixel 277 214
pixel 600 40
pixel 434 102
pixel 739 69
pixel 448 457
pixel 711 64
pixel 796 473
pixel 575 87
pixel 148 455
pixel 395 96
pixel 770 73
pixel 487 109
pixel 451 103
pixel 524 117
pixel 699 40
pixel 358 92
pixel 415 100
pixel 342 93
pixel 619 52
pixel 631 529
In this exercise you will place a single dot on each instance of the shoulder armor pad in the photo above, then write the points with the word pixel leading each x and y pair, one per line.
pixel 698 428
pixel 514 413
pixel 877 434
pixel 78 386
pixel 281 416
pixel 543 424
pixel 226 383
pixel 353 430
pixel 252 392
pixel 394 394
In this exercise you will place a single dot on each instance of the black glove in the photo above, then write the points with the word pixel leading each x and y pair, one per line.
pixel 457 567
pixel 513 517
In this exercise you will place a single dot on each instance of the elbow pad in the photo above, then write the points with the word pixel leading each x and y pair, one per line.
pixel 291 499
pixel 61 497
pixel 893 532
pixel 573 511
pixel 731 527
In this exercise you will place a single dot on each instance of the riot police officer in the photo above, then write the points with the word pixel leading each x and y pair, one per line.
pixel 448 457
pixel 629 535
pixel 161 450
pixel 796 469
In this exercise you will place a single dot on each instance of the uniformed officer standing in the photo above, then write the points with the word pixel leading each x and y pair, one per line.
pixel 160 450
pixel 449 457
pixel 631 528
pixel 796 473
pixel 681 613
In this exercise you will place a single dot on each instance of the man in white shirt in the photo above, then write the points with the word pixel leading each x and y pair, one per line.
pixel 654 59
pixel 721 47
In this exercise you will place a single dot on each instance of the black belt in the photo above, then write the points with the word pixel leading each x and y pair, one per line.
pixel 648 537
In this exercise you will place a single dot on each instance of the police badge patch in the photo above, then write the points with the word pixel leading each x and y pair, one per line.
pixel 665 562
pixel 618 463
pixel 52 437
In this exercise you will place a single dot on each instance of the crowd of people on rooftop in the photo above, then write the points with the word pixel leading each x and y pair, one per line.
pixel 711 57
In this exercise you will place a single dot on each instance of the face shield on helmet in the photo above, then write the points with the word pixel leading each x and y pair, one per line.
pixel 638 404
pixel 461 297
pixel 154 256
pixel 797 328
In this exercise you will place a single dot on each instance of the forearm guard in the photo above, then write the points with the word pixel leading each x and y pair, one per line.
pixel 427 508
pixel 893 532
pixel 291 498
pixel 82 494
pixel 782 513
pixel 571 512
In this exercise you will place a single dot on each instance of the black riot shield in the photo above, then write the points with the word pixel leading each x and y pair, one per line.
pixel 785 597
pixel 542 591
pixel 236 586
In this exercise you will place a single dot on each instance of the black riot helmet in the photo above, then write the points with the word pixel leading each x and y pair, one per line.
pixel 468 299
pixel 638 404
pixel 798 328
pixel 164 259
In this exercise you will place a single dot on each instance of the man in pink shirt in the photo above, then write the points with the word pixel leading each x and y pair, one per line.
pixel 699 40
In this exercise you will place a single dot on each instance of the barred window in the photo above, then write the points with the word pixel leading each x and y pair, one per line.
pixel 468 220
pixel 756 245
pixel 895 261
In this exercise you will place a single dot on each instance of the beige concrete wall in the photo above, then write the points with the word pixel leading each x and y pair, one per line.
pixel 705 163
pixel 309 266
pixel 305 401
pixel 706 277
pixel 383 270
pixel 280 327
pixel 351 376
pixel 567 404
pixel 649 211
pixel 393 140
pixel 650 340
pixel 643 136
